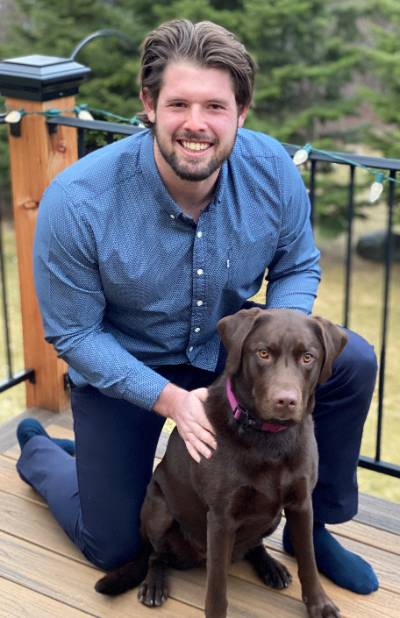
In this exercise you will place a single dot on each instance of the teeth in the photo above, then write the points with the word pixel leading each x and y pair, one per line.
pixel 194 146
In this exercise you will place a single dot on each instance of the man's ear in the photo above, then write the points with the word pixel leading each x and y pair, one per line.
pixel 243 111
pixel 333 339
pixel 233 331
pixel 148 104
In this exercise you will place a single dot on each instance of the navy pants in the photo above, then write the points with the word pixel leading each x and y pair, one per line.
pixel 96 497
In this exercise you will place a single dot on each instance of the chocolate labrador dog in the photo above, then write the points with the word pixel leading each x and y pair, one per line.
pixel 219 510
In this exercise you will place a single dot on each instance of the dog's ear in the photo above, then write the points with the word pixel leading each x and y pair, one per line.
pixel 333 339
pixel 233 331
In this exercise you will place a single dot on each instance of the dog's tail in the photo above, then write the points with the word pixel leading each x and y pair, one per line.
pixel 126 577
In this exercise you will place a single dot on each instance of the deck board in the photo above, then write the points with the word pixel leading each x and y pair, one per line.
pixel 42 574
pixel 18 601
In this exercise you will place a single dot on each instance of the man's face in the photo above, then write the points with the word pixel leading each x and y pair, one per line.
pixel 196 119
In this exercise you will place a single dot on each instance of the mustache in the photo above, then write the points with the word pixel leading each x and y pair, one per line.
pixel 195 137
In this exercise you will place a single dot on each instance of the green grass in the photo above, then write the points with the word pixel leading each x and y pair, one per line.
pixel 365 318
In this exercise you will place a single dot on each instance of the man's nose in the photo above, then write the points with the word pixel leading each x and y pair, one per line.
pixel 195 119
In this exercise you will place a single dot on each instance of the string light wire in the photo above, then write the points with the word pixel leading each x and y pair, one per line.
pixel 302 155
pixel 82 111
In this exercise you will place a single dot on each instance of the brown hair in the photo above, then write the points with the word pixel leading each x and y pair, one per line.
pixel 204 43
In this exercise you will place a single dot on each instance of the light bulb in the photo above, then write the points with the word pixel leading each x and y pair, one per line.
pixel 301 155
pixel 85 115
pixel 376 188
pixel 13 117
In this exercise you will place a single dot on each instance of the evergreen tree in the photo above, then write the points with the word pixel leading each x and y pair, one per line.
pixel 382 61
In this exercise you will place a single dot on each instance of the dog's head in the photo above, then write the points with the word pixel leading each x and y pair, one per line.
pixel 277 357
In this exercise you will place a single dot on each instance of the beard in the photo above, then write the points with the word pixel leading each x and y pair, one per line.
pixel 196 170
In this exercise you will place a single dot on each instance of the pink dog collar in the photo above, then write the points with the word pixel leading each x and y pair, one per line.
pixel 241 415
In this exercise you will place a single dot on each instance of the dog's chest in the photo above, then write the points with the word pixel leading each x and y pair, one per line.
pixel 247 502
pixel 253 515
pixel 263 497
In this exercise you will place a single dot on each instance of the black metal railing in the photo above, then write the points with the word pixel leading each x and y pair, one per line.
pixel 392 166
pixel 12 377
pixel 111 131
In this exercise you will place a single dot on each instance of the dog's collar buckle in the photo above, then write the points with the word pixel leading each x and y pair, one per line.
pixel 242 416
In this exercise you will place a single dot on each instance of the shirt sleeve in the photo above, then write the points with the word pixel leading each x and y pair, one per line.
pixel 72 303
pixel 294 274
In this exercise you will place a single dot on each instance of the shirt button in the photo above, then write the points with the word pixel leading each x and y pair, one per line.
pixel 197 329
pixel 172 216
pixel 199 303
pixel 191 349
pixel 200 271
pixel 199 234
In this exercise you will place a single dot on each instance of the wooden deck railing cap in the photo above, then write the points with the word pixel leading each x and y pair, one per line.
pixel 41 78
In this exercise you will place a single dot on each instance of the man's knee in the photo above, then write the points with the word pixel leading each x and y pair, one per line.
pixel 357 363
pixel 351 385
pixel 111 553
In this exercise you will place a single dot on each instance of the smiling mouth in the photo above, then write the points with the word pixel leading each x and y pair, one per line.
pixel 194 146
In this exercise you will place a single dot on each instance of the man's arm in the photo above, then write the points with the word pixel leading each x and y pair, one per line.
pixel 72 302
pixel 294 272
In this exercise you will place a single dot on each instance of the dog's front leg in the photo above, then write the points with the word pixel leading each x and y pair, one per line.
pixel 220 538
pixel 318 603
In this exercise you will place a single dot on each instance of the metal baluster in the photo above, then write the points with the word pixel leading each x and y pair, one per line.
pixel 313 174
pixel 388 266
pixel 81 143
pixel 4 301
pixel 350 217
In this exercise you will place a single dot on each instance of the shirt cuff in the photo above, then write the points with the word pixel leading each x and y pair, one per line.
pixel 145 388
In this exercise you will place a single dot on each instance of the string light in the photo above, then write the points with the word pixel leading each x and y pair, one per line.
pixel 376 188
pixel 83 112
pixel 301 156
pixel 13 117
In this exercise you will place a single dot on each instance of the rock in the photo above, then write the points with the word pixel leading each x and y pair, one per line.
pixel 373 246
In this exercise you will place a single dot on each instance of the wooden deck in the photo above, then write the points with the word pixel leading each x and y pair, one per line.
pixel 42 575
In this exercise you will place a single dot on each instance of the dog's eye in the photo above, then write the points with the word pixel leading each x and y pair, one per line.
pixel 264 354
pixel 307 357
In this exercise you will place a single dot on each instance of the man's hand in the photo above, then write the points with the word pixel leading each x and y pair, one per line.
pixel 187 410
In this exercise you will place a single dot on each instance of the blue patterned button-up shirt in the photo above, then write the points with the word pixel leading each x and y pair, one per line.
pixel 127 282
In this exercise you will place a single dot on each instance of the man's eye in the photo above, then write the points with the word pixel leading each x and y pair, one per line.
pixel 264 354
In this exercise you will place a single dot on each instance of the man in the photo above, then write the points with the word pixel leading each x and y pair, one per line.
pixel 141 247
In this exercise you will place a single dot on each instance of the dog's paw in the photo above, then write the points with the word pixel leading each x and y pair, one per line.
pixel 110 584
pixel 122 579
pixel 323 609
pixel 275 574
pixel 153 592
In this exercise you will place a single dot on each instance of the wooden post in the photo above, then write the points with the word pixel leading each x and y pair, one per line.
pixel 36 156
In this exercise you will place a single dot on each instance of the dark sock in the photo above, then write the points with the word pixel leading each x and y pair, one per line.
pixel 338 564
pixel 30 427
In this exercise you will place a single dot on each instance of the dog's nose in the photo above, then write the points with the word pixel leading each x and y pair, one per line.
pixel 285 400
